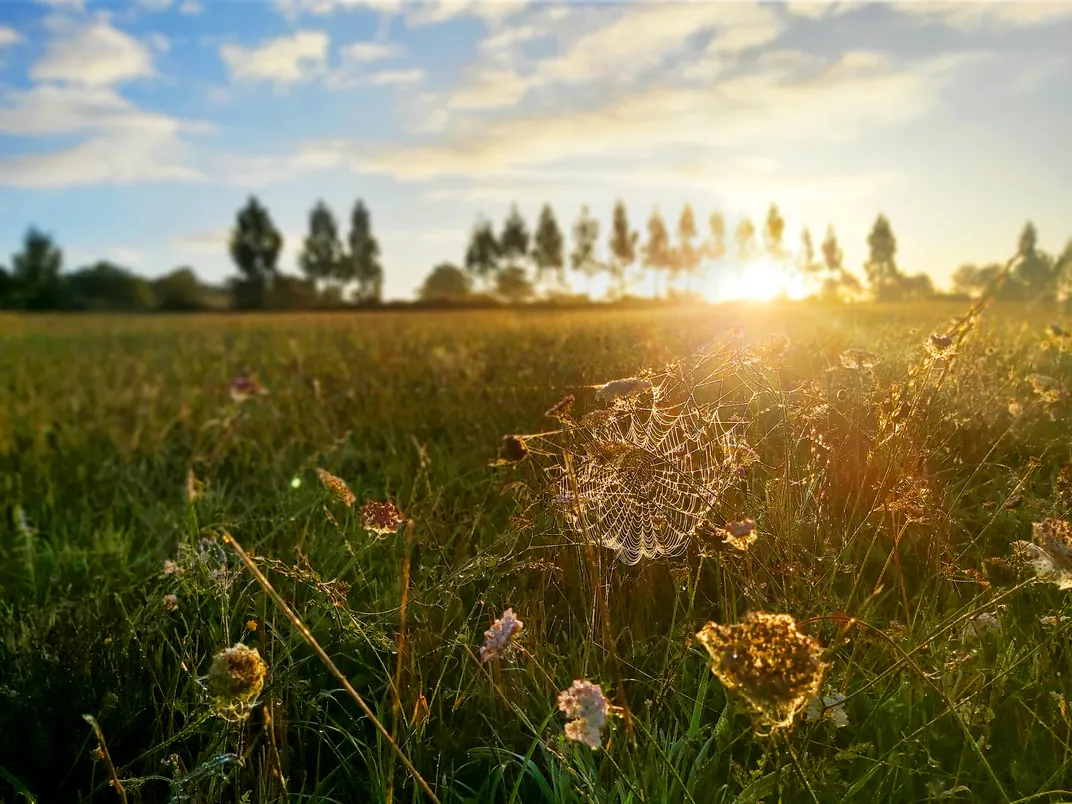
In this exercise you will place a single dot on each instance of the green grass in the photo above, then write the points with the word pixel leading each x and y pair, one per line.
pixel 101 418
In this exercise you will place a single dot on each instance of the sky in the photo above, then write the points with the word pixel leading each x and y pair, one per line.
pixel 133 131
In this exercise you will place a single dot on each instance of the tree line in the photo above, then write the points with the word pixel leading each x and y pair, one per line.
pixel 515 264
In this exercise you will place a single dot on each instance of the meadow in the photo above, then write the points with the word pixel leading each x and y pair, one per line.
pixel 890 475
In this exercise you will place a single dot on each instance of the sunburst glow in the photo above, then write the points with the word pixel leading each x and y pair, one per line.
pixel 762 279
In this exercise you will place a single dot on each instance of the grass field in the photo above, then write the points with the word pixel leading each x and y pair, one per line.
pixel 898 508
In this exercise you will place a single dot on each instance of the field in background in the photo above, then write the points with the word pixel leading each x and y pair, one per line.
pixel 900 515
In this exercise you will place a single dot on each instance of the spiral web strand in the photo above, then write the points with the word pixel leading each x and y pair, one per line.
pixel 653 466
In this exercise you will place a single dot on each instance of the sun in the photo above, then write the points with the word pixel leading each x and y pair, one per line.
pixel 762 279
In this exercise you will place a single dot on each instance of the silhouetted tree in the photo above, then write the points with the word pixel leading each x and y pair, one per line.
pixel 514 241
pixel 837 282
pixel 746 240
pixel 547 247
pixel 179 290
pixel 322 255
pixel 512 283
pixel 8 299
pixel 686 257
pixel 482 256
pixel 657 254
pixel 446 282
pixel 1034 273
pixel 881 265
pixel 623 246
pixel 255 247
pixel 585 238
pixel 806 262
pixel 773 232
pixel 714 247
pixel 364 256
pixel 36 271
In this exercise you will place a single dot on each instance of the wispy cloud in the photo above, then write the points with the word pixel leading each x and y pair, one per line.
pixel 842 101
pixel 970 16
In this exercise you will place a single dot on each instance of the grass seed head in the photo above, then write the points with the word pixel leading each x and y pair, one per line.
pixel 337 486
pixel 768 662
pixel 589 709
pixel 626 387
pixel 561 409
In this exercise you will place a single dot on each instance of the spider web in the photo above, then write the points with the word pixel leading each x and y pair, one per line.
pixel 642 475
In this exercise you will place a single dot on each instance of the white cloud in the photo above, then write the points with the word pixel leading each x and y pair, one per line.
pixel 154 5
pixel 416 13
pixel 849 97
pixel 365 52
pixel 285 60
pixel 817 9
pixel 640 38
pixel 9 36
pixel 92 55
pixel 990 14
pixel 190 7
pixel 385 78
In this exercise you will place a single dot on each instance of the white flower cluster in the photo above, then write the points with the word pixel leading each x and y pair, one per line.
pixel 498 637
pixel 589 708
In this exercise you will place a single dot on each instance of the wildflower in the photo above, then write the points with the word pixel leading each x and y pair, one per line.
pixel 381 518
pixel 242 388
pixel 337 486
pixel 1015 409
pixel 628 387
pixel 251 625
pixel 858 359
pixel 171 567
pixel 171 602
pixel 561 409
pixel 498 637
pixel 766 660
pixel 1047 388
pixel 828 707
pixel 1049 553
pixel 513 449
pixel 740 535
pixel 235 679
pixel 938 345
pixel 589 708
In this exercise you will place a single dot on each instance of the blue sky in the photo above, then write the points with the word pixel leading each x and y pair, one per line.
pixel 134 130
